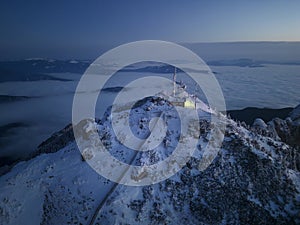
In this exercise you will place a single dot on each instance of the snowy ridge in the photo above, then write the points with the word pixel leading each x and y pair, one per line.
pixel 253 180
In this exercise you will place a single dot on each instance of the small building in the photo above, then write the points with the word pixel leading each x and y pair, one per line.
pixel 184 102
pixel 189 104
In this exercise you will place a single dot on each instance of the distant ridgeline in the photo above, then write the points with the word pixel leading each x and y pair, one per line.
pixel 38 69
pixel 249 114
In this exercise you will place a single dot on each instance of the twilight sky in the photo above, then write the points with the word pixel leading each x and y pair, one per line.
pixel 82 29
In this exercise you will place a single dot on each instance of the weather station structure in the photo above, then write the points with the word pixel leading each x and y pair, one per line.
pixel 180 97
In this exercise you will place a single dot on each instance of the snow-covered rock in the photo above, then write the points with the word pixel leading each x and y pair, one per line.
pixel 254 179
pixel 259 123
pixel 288 129
pixel 295 115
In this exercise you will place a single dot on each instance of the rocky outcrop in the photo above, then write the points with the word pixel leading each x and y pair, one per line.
pixel 287 130
pixel 295 115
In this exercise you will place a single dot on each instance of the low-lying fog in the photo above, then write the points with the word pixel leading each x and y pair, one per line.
pixel 26 122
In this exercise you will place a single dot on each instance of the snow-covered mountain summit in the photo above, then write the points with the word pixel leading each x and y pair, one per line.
pixel 254 178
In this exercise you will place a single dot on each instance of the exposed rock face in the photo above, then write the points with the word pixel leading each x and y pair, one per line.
pixel 295 114
pixel 288 130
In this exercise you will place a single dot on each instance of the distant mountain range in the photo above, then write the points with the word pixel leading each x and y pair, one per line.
pixel 41 69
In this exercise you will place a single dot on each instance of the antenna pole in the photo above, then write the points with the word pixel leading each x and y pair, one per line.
pixel 174 82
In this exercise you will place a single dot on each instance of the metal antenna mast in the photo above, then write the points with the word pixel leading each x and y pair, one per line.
pixel 174 82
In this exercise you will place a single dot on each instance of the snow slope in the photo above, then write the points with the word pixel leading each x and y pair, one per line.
pixel 254 179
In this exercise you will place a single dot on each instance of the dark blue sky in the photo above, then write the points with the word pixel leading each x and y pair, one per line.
pixel 82 29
